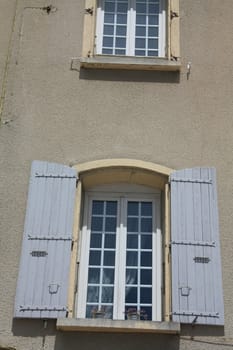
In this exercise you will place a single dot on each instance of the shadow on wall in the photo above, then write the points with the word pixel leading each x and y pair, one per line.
pixel 116 341
pixel 127 75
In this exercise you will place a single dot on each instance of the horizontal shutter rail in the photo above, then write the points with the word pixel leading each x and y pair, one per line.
pixel 50 238
pixel 56 176
pixel 42 308
pixel 194 243
pixel 201 181
pixel 196 314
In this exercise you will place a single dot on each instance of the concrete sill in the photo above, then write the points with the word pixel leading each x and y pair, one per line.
pixel 129 63
pixel 105 325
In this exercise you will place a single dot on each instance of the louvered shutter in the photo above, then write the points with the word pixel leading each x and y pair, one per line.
pixel 196 265
pixel 44 268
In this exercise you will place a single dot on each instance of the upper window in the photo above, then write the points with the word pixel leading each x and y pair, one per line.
pixel 120 265
pixel 131 28
pixel 131 34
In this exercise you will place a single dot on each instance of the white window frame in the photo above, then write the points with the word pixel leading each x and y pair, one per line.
pixel 130 37
pixel 121 193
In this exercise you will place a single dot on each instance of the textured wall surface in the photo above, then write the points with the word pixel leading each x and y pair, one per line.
pixel 57 114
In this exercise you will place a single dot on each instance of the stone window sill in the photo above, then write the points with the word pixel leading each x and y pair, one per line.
pixel 129 63
pixel 105 325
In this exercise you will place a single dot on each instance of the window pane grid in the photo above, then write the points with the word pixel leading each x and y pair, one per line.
pixel 100 288
pixel 137 293
pixel 115 16
pixel 147 28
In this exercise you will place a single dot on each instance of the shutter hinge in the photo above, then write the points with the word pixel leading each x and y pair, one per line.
pixel 89 11
pixel 174 14
pixel 201 181
pixel 56 176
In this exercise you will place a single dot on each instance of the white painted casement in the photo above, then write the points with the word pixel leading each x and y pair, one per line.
pixel 131 34
pixel 51 238
pixel 133 243
pixel 131 28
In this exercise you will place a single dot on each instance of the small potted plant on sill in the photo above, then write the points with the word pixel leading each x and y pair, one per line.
pixel 98 313
pixel 134 314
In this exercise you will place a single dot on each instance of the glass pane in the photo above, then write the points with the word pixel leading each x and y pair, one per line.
pixel 140 8
pixel 140 53
pixel 132 225
pixel 153 53
pixel 96 240
pixel 107 41
pixel 121 30
pixel 132 258
pixel 153 8
pixel 146 241
pixel 146 277
pixel 109 258
pixel 153 19
pixel 108 276
pixel 119 52
pixel 153 31
pixel 146 259
pixel 147 313
pixel 90 309
pixel 132 241
pixel 120 42
pixel 97 207
pixel 131 276
pixel 107 52
pixel 122 7
pixel 94 275
pixel 146 209
pixel 152 43
pixel 110 241
pixel 110 225
pixel 140 43
pixel 92 294
pixel 140 31
pixel 146 225
pixel 133 208
pixel 121 19
pixel 108 30
pixel 95 257
pixel 130 294
pixel 140 19
pixel 109 6
pixel 97 224
pixel 108 18
pixel 145 295
pixel 111 208
pixel 107 295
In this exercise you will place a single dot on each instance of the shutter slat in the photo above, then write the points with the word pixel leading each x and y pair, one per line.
pixel 49 221
pixel 196 267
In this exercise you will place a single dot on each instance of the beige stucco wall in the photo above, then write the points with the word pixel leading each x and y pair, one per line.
pixel 57 114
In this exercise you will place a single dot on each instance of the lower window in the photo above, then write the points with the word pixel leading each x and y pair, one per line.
pixel 120 263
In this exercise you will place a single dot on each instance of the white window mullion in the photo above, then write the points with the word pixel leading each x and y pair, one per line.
pixel 162 29
pixel 131 28
pixel 99 27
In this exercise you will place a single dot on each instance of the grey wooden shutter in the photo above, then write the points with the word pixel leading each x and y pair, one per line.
pixel 44 268
pixel 196 265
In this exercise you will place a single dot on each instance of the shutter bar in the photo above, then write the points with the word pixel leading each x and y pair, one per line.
pixel 49 238
pixel 195 243
pixel 207 181
pixel 196 313
pixel 42 308
pixel 56 176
